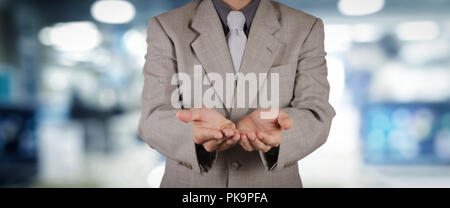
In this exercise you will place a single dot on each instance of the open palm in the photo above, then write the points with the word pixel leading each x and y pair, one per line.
pixel 211 129
pixel 262 134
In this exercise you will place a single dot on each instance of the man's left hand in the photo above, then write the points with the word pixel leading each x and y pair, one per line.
pixel 259 133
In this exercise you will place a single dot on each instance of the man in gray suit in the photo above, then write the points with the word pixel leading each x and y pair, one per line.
pixel 229 146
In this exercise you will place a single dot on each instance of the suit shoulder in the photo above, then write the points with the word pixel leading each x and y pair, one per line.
pixel 289 14
pixel 178 15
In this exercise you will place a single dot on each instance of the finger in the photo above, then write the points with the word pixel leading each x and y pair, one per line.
pixel 245 144
pixel 251 136
pixel 211 145
pixel 232 136
pixel 228 132
pixel 187 116
pixel 267 139
pixel 236 136
pixel 233 139
pixel 184 116
pixel 226 145
pixel 259 145
pixel 196 113
pixel 205 134
pixel 284 121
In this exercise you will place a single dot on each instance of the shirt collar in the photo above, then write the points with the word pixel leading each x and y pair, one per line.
pixel 249 11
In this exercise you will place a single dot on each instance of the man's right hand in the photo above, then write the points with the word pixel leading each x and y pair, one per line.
pixel 211 129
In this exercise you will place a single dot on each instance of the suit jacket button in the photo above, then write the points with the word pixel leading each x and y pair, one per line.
pixel 236 165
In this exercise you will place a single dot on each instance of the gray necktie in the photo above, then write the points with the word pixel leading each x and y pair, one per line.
pixel 236 37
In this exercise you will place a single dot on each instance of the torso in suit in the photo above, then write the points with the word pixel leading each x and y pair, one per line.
pixel 281 40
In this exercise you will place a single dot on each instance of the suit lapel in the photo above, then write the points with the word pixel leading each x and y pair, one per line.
pixel 211 46
pixel 262 46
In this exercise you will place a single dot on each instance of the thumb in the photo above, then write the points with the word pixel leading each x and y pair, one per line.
pixel 189 115
pixel 284 121
pixel 184 116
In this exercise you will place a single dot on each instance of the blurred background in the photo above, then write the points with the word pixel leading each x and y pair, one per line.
pixel 71 79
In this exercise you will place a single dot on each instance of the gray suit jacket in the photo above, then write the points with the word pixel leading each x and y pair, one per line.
pixel 281 40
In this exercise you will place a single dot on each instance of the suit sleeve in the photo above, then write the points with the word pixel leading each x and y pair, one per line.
pixel 158 125
pixel 309 109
